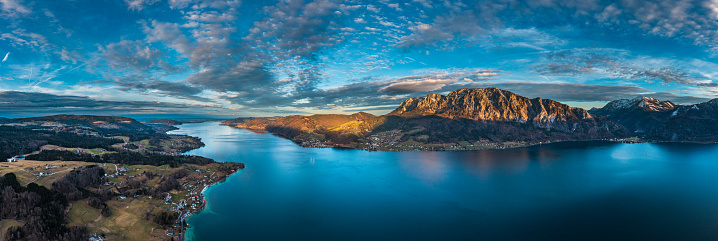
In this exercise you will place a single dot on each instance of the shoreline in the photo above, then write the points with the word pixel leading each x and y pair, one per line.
pixel 202 198
pixel 629 140
pixel 203 206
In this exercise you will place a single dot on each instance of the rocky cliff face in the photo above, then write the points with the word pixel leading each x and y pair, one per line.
pixel 496 105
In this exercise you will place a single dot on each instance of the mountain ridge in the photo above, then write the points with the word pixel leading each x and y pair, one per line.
pixel 463 119
pixel 657 120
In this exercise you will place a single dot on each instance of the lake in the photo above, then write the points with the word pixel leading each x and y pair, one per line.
pixel 562 191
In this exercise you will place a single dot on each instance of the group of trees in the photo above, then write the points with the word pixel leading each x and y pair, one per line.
pixel 98 203
pixel 20 140
pixel 120 156
pixel 168 183
pixel 43 210
pixel 74 183
pixel 165 218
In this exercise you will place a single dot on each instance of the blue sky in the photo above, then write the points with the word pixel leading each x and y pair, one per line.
pixel 227 58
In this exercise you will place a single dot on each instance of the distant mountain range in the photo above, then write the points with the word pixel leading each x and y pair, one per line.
pixel 463 119
pixel 657 120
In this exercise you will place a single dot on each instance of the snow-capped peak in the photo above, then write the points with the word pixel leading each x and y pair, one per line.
pixel 643 102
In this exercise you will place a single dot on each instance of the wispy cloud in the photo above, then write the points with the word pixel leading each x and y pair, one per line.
pixel 34 103
pixel 611 63
pixel 13 8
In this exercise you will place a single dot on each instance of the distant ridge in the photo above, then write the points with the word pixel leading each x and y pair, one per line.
pixel 105 122
pixel 664 121
pixel 164 122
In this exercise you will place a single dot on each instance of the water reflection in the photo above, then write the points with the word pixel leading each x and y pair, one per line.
pixel 562 191
pixel 424 165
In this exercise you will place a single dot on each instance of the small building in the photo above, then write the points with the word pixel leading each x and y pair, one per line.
pixel 12 159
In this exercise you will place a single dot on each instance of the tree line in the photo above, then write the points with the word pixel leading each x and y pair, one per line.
pixel 123 157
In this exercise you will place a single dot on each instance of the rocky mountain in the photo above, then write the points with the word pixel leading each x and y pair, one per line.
pixel 496 105
pixel 663 120
pixel 639 115
pixel 463 119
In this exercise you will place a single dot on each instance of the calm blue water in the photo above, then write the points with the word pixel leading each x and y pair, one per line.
pixel 570 191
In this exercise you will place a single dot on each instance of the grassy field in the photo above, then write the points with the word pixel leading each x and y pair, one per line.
pixel 125 223
pixel 81 213
pixel 24 170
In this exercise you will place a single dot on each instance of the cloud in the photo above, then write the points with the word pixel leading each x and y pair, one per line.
pixel 19 37
pixel 293 29
pixel 5 59
pixel 130 55
pixel 139 4
pixel 244 77
pixel 445 31
pixel 34 103
pixel 433 82
pixel 612 64
pixel 170 34
pixel 679 99
pixel 462 22
pixel 531 38
pixel 173 89
pixel 13 8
